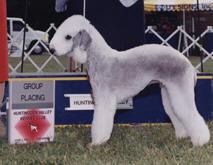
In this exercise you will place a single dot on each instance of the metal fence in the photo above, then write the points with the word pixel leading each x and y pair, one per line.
pixel 46 62
pixel 186 43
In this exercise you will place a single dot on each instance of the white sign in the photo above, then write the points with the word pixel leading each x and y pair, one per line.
pixel 31 111
pixel 85 102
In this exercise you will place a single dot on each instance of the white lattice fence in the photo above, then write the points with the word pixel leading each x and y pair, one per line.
pixel 189 42
pixel 29 57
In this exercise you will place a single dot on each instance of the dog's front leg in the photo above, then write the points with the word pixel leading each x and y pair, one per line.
pixel 103 119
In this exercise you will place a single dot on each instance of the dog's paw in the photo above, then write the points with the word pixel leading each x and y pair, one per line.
pixel 93 146
pixel 181 134
pixel 201 137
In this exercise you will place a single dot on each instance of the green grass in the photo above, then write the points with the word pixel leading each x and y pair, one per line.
pixel 138 145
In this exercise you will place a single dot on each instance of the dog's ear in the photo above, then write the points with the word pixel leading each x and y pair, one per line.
pixel 82 39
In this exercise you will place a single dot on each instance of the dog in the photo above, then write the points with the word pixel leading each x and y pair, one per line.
pixel 117 75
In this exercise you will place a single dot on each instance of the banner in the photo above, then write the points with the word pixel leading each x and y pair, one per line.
pixel 73 104
pixel 85 102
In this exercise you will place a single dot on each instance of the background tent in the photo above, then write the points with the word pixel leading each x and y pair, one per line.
pixel 193 7
pixel 188 6
pixel 178 5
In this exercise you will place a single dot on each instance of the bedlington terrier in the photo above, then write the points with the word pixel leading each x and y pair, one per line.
pixel 117 75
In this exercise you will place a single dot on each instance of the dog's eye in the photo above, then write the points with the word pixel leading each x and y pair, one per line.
pixel 68 37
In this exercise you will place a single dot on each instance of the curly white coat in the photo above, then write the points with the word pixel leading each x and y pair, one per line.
pixel 115 76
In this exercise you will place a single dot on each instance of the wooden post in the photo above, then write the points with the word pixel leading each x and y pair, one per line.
pixel 3 57
pixel 3 43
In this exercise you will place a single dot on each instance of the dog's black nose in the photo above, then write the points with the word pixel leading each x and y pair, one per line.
pixel 52 50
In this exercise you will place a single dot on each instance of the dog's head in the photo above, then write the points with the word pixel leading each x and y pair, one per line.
pixel 72 39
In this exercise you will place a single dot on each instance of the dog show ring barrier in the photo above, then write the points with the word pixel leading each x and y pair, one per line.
pixel 185 49
pixel 73 103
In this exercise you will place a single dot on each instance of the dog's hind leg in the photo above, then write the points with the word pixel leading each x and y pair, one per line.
pixel 183 102
pixel 180 131
pixel 103 118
